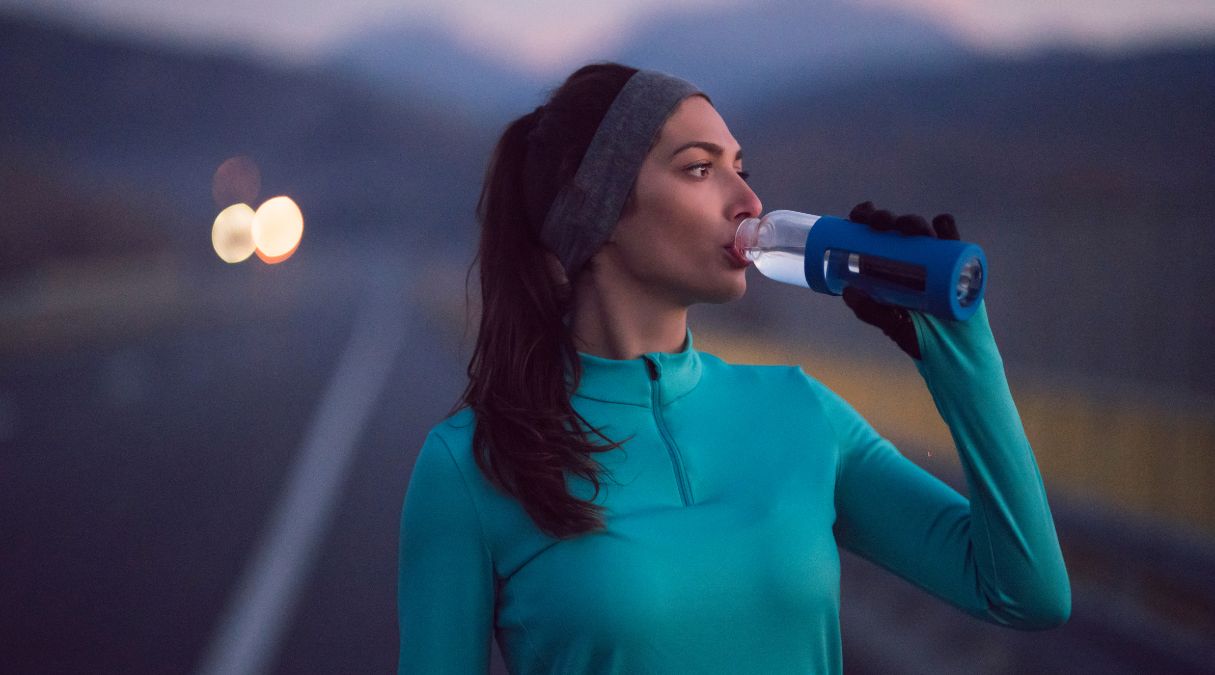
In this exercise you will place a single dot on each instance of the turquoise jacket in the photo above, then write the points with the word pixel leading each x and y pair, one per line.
pixel 724 513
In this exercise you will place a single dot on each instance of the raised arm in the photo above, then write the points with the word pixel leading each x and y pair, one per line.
pixel 997 555
pixel 445 586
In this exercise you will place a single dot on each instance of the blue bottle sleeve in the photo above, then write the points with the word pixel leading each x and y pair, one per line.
pixel 831 239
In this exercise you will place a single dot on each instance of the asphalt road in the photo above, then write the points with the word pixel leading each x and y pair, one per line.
pixel 138 478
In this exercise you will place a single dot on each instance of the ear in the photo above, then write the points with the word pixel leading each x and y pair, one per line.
pixel 555 268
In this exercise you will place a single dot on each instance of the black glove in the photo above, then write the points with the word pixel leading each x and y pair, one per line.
pixel 894 321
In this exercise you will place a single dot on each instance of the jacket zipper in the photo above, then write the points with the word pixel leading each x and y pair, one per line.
pixel 681 477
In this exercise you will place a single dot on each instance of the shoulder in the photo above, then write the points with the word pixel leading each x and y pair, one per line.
pixel 446 464
pixel 457 428
pixel 444 473
pixel 780 386
pixel 453 436
pixel 784 377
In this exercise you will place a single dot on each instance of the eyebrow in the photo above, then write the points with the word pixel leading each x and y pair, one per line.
pixel 713 148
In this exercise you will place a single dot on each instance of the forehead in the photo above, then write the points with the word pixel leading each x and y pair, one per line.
pixel 695 119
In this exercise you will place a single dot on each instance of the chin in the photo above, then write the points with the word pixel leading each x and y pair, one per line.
pixel 727 293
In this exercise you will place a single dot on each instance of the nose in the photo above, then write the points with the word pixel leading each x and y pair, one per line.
pixel 746 203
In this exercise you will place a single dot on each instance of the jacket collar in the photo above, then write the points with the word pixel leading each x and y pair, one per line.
pixel 629 381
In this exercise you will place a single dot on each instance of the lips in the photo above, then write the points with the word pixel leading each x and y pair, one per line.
pixel 735 256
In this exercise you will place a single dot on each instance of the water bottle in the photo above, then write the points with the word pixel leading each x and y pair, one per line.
pixel 827 254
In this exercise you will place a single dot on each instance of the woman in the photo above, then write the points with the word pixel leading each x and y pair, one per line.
pixel 702 534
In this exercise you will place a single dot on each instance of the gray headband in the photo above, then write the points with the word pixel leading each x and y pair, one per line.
pixel 587 208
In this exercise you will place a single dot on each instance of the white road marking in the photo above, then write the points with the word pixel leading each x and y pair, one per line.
pixel 249 633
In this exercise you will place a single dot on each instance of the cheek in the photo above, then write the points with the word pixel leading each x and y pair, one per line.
pixel 667 237
pixel 677 244
pixel 651 236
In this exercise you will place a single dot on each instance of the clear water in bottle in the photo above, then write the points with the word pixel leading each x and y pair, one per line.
pixel 778 252
pixel 781 264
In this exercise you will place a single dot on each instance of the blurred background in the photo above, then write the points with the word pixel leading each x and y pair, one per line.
pixel 202 463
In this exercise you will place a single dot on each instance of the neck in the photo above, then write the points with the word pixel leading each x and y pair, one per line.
pixel 619 323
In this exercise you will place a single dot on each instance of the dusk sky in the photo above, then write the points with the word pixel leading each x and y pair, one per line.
pixel 540 35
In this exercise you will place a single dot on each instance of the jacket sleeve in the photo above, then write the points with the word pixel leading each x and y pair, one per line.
pixel 995 555
pixel 445 587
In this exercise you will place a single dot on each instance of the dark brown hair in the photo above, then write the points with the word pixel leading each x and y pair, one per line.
pixel 528 437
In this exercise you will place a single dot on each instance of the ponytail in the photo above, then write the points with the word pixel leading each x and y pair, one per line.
pixel 528 438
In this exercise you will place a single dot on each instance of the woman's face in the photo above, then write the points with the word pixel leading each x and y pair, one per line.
pixel 687 203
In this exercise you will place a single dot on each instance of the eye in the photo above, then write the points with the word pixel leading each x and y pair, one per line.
pixel 703 167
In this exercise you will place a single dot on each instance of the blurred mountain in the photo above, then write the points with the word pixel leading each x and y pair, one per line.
pixel 141 118
pixel 408 59
pixel 742 55
pixel 1058 133
pixel 739 55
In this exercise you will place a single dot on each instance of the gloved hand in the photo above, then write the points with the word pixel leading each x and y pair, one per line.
pixel 894 321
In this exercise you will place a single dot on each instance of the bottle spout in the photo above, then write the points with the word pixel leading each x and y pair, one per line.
pixel 746 238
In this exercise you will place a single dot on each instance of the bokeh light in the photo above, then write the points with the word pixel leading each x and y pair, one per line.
pixel 278 227
pixel 271 260
pixel 237 180
pixel 232 233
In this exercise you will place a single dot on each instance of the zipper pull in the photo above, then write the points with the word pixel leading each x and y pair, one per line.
pixel 654 367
